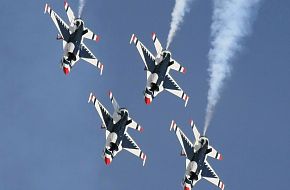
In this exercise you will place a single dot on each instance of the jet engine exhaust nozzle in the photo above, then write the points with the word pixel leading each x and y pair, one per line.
pixel 107 161
pixel 147 101
pixel 66 70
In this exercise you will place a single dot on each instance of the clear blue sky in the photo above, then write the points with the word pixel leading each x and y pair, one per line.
pixel 50 138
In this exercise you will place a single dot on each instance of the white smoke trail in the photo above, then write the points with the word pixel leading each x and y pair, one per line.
pixel 81 7
pixel 231 21
pixel 179 10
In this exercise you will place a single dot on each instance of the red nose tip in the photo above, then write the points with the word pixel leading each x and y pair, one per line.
pixel 186 188
pixel 147 101
pixel 107 161
pixel 65 70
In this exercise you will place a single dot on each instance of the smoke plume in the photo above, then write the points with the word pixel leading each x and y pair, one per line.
pixel 231 22
pixel 179 10
pixel 81 7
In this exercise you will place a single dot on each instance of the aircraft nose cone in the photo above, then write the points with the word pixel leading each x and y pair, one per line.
pixel 65 70
pixel 186 188
pixel 107 161
pixel 147 101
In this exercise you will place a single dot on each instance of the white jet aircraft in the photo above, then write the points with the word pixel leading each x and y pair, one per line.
pixel 116 125
pixel 196 155
pixel 72 35
pixel 157 70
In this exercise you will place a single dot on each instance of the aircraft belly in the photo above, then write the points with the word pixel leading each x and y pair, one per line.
pixel 191 167
pixel 70 47
pixel 112 138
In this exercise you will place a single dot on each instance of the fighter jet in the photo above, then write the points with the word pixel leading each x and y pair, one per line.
pixel 196 155
pixel 116 125
pixel 157 70
pixel 72 35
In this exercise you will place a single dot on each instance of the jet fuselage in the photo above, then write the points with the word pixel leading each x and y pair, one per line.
pixel 114 139
pixel 194 167
pixel 156 78
pixel 72 46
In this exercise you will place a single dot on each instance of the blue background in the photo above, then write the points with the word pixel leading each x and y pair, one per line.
pixel 50 138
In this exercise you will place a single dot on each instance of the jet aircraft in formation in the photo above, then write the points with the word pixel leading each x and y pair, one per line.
pixel 116 125
pixel 157 70
pixel 196 165
pixel 158 79
pixel 72 36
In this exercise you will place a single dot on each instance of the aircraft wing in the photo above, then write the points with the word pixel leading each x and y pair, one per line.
pixel 171 86
pixel 69 12
pixel 105 116
pixel 176 66
pixel 134 125
pixel 157 43
pixel 187 146
pixel 129 145
pixel 146 55
pixel 88 56
pixel 209 174
pixel 61 26
pixel 215 154
pixel 91 36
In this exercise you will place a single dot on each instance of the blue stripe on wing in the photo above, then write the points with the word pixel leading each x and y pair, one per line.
pixel 127 142
pixel 170 84
pixel 187 146
pixel 86 53
pixel 63 29
pixel 207 172
pixel 107 118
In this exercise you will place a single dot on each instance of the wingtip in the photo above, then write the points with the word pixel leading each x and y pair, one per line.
pixel 184 70
pixel 187 98
pixel 132 38
pixel 144 160
pixel 110 94
pixel 102 67
pixel 45 8
pixel 65 4
pixel 222 185
pixel 172 124
pixel 191 122
pixel 141 129
pixel 90 97
pixel 97 38
pixel 153 34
